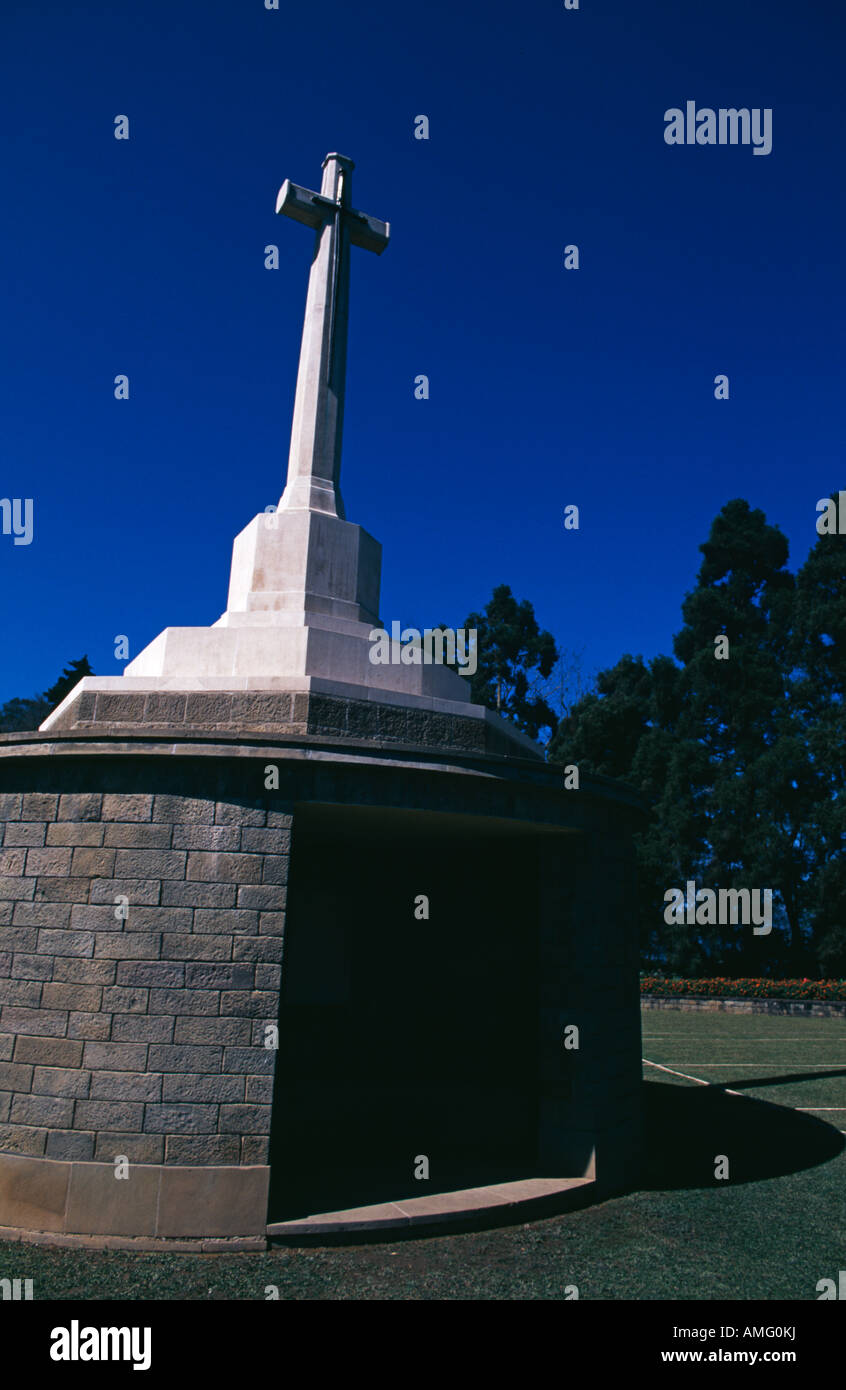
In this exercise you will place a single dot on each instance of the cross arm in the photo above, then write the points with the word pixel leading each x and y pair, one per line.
pixel 312 208
pixel 367 231
pixel 301 204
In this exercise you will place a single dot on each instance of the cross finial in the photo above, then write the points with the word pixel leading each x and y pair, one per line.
pixel 314 461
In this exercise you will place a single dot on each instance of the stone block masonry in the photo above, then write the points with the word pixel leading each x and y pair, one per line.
pixel 134 989
pixel 144 881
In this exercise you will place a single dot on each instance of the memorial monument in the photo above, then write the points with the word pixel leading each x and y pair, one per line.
pixel 295 940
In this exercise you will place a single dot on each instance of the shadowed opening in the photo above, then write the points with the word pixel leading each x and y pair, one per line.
pixel 402 1037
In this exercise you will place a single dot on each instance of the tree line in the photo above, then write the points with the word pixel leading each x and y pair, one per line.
pixel 737 746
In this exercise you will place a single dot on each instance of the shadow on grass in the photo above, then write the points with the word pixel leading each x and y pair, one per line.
pixel 685 1127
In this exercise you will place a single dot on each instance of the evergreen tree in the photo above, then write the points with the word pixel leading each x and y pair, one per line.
pixel 20 714
pixel 513 657
pixel 819 653
pixel 758 785
pixel 70 677
pixel 742 760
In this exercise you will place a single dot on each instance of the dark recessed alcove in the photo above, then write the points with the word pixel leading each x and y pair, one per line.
pixel 402 1036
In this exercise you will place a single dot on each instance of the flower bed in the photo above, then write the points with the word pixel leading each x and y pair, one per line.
pixel 755 988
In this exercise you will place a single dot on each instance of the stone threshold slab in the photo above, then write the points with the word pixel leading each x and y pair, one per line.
pixel 437 1209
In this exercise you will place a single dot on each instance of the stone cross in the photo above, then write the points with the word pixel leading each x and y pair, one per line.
pixel 314 462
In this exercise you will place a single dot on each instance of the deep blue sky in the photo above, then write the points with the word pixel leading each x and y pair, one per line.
pixel 548 387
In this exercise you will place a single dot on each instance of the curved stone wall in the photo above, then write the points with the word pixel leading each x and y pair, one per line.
pixel 142 922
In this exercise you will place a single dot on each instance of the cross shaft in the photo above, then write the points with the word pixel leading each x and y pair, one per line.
pixel 314 461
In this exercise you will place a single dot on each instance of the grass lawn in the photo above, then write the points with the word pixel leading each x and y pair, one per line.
pixel 771 1231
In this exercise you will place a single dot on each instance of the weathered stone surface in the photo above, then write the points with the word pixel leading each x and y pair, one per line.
pixel 24 833
pixel 40 915
pixel 185 946
pixel 70 1144
pixel 80 998
pixel 61 1081
pixel 96 863
pixel 144 1027
pixel 228 868
pixel 74 833
pixel 262 896
pixel 196 894
pixel 126 999
pixel 249 1003
pixel 22 1139
pixel 125 1085
pixel 41 1110
pixel 12 861
pixel 84 917
pixel 47 1023
pixel 215 921
pixel 150 863
pixel 15 1076
pixel 116 707
pixel 55 1052
pixel 275 868
pixel 25 992
pixel 141 892
pixel 184 1001
pixel 55 890
pixel 80 806
pixel 13 888
pixel 38 806
pixel 149 972
pixel 245 1119
pixel 164 707
pixel 259 1090
pixel 108 1114
pixel 203 1151
pixel 225 1031
pixel 138 835
pixel 128 945
pixel 87 1026
pixel 65 943
pixel 258 948
pixel 181 1119
pixel 194 1087
pixel 242 813
pixel 207 837
pixel 27 967
pixel 114 1056
pixel 255 1061
pixel 184 810
pixel 138 1148
pixel 53 860
pixel 208 709
pixel 127 806
pixel 223 977
pixel 185 1058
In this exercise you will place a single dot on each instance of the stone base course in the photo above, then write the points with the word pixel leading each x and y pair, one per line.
pixel 167 1203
